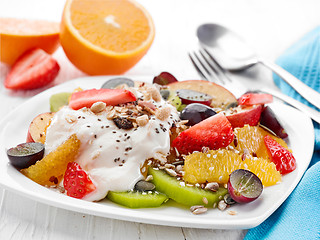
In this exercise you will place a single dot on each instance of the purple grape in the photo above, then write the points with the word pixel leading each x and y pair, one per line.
pixel 188 96
pixel 196 112
pixel 25 154
pixel 114 82
pixel 244 186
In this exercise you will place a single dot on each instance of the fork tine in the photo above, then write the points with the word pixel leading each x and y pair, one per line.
pixel 215 66
pixel 221 72
pixel 202 67
pixel 198 67
pixel 211 66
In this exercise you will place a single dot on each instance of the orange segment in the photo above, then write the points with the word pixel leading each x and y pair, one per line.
pixel 216 166
pixel 50 170
pixel 103 37
pixel 20 35
pixel 251 138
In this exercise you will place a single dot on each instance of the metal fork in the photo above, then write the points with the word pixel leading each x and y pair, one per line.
pixel 209 69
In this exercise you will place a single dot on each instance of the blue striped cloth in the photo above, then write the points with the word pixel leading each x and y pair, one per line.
pixel 299 216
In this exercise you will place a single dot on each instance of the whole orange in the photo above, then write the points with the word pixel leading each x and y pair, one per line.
pixel 103 37
pixel 20 35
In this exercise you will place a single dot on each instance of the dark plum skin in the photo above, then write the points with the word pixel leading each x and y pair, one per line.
pixel 196 113
pixel 270 121
pixel 244 186
pixel 114 82
pixel 164 79
pixel 188 96
pixel 26 154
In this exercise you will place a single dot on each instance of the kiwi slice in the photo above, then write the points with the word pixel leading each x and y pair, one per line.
pixel 137 199
pixel 59 100
pixel 186 195
pixel 175 101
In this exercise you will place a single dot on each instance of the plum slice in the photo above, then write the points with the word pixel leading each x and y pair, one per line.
pixel 242 115
pixel 269 121
pixel 244 186
pixel 25 154
pixel 164 78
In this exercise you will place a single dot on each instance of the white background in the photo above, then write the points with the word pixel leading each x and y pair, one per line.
pixel 269 26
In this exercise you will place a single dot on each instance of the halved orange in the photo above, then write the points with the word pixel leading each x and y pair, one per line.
pixel 20 35
pixel 103 37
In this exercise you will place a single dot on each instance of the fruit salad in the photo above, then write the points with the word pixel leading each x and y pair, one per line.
pixel 140 144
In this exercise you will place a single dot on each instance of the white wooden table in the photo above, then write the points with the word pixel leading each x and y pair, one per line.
pixel 270 26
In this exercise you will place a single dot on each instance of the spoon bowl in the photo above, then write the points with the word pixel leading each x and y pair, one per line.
pixel 233 54
pixel 228 48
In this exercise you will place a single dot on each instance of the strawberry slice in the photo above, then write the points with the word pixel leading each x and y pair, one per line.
pixel 214 132
pixel 77 182
pixel 255 98
pixel 109 96
pixel 34 69
pixel 280 156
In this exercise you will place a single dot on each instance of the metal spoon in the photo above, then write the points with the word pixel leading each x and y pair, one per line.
pixel 234 54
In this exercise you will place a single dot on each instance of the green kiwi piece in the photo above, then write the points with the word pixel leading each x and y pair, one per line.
pixel 137 199
pixel 175 101
pixel 59 100
pixel 183 194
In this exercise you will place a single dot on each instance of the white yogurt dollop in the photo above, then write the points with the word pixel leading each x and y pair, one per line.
pixel 111 156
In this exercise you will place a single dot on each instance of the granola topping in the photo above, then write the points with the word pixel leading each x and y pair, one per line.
pixel 116 140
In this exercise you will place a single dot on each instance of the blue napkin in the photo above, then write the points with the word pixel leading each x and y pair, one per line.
pixel 299 216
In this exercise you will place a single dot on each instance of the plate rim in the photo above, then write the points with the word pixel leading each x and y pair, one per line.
pixel 194 223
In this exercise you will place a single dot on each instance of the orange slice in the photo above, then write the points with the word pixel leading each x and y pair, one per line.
pixel 50 170
pixel 216 166
pixel 102 37
pixel 20 35
pixel 251 138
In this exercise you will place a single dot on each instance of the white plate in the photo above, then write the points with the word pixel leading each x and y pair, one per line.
pixel 14 130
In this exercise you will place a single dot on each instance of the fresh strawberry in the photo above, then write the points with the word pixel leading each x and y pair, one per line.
pixel 109 96
pixel 34 69
pixel 280 156
pixel 214 132
pixel 242 115
pixel 255 98
pixel 76 181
